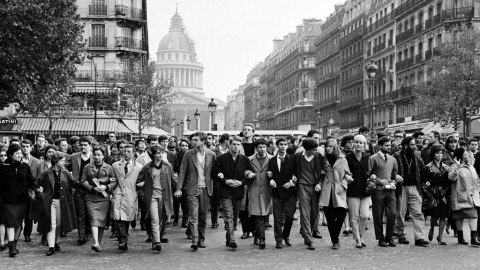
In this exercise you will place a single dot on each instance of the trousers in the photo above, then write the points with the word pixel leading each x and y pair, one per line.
pixel 383 202
pixel 56 218
pixel 198 205
pixel 157 216
pixel 308 204
pixel 230 211
pixel 283 212
pixel 358 210
pixel 335 217
pixel 410 199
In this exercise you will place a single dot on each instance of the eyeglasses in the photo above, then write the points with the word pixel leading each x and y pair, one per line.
pixel 3 155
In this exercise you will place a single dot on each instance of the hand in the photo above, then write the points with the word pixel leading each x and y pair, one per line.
pixel 103 188
pixel 175 174
pixel 31 194
pixel 40 189
pixel 177 194
pixel 230 182
pixel 288 185
pixel 251 175
pixel 220 175
pixel 273 184
pixel 238 183
pixel 269 174
pixel 141 184
pixel 348 178
pixel 322 172
pixel 427 184
pixel 373 176
pixel 457 161
pixel 398 179
pixel 318 187
pixel 383 182
pixel 294 178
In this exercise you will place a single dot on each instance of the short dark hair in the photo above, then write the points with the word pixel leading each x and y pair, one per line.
pixel 458 153
pixel 363 129
pixel 26 141
pixel 50 146
pixel 224 137
pixel 406 140
pixel 120 142
pixel 162 138
pixel 417 133
pixel 138 141
pixel 130 146
pixel 49 140
pixel 269 142
pixel 381 134
pixel 399 131
pixel 56 157
pixel 292 139
pixel 209 134
pixel 59 140
pixel 281 139
pixel 472 140
pixel 156 148
pixel 99 148
pixel 462 143
pixel 346 139
pixel 201 135
pixel 12 149
pixel 185 141
pixel 435 149
pixel 312 132
pixel 258 142
pixel 151 138
pixel 87 139
pixel 309 144
pixel 73 140
pixel 111 132
pixel 382 141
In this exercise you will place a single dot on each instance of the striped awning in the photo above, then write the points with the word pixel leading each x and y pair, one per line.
pixel 133 125
pixel 74 126
pixel 91 89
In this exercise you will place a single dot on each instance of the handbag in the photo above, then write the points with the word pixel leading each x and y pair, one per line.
pixel 429 203
pixel 371 186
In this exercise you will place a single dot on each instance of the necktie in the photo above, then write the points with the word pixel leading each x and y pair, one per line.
pixel 385 156
pixel 126 168
pixel 281 161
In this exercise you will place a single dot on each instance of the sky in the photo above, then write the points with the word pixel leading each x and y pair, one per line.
pixel 232 36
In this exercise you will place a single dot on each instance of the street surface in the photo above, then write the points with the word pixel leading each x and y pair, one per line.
pixel 178 255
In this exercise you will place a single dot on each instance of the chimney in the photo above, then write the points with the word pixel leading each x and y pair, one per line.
pixel 277 44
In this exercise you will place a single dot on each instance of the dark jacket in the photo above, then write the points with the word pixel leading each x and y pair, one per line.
pixel 15 180
pixel 419 172
pixel 188 176
pixel 225 165
pixel 67 207
pixel 319 162
pixel 104 176
pixel 282 177
pixel 359 169
pixel 38 153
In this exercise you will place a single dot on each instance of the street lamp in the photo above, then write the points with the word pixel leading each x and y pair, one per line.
pixel 319 117
pixel 188 122
pixel 212 107
pixel 181 129
pixel 89 56
pixel 196 115
pixel 284 121
pixel 173 126
pixel 371 73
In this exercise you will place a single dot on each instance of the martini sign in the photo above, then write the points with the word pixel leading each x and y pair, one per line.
pixel 7 123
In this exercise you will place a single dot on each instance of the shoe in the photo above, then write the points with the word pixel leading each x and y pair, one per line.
pixel 256 241
pixel 201 245
pixel 474 238
pixel 163 240
pixel 310 246
pixel 157 247
pixel 3 247
pixel 440 241
pixel 268 225
pixel 279 245
pixel 316 234
pixel 345 232
pixel 175 223
pixel 113 235
pixel 287 242
pixel 168 223
pixel 189 236
pixel 50 251
pixel 382 243
pixel 149 239
pixel 232 244
pixel 123 246
pixel 261 243
pixel 15 245
pixel 390 242
pixel 460 239
pixel 215 225
pixel 12 251
pixel 63 234
pixel 421 243
pixel 359 245
pixel 81 241
pixel 324 223
pixel 96 248
pixel 447 230
pixel 184 225
pixel 86 239
pixel 28 239
pixel 403 240
pixel 430 235
pixel 194 246
pixel 364 245
pixel 57 247
pixel 133 224
pixel 245 235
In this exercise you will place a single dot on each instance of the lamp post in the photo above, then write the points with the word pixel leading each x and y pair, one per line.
pixel 173 126
pixel 188 122
pixel 371 73
pixel 181 128
pixel 284 121
pixel 212 107
pixel 95 95
pixel 196 115
pixel 319 117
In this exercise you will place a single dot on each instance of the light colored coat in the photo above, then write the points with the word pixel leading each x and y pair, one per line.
pixel 334 183
pixel 124 196
pixel 143 159
pixel 259 195
pixel 465 187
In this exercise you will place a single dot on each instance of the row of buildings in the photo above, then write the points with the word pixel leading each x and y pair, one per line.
pixel 316 77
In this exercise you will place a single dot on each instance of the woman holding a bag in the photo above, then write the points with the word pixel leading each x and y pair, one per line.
pixel 465 197
pixel 436 191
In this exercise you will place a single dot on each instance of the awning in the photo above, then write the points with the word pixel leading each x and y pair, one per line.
pixel 91 89
pixel 74 126
pixel 133 126
pixel 408 127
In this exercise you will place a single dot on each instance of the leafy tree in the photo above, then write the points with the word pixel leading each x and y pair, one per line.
pixel 453 78
pixel 40 43
pixel 143 96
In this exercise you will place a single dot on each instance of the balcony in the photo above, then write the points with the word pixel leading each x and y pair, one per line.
pixel 97 42
pixel 97 10
pixel 404 64
pixel 327 102
pixel 431 53
pixel 407 6
pixel 352 102
pixel 390 42
pixel 352 124
pixel 404 36
pixel 369 52
pixel 458 13
pixel 352 79
pixel 130 43
pixel 380 22
pixel 352 36
pixel 419 28
pixel 428 24
pixel 418 58
pixel 404 91
pixel 77 111
pixel 102 75
pixel 352 57
pixel 129 12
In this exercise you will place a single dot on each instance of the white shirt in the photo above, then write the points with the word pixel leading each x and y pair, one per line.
pixel 307 158
pixel 129 165
pixel 279 161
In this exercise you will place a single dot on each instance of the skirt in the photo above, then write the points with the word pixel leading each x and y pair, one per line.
pixel 2 217
pixel 98 213
pixel 466 213
pixel 14 214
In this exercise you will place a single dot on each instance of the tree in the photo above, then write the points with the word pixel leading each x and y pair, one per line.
pixel 142 95
pixel 40 43
pixel 453 77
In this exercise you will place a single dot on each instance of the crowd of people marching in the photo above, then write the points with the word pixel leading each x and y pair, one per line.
pixel 91 187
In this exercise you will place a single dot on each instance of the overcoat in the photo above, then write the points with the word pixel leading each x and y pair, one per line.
pixel 124 196
pixel 334 184
pixel 259 196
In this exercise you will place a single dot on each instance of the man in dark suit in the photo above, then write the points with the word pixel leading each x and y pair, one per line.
pixel 281 175
pixel 229 171
pixel 33 163
pixel 195 175
pixel 76 164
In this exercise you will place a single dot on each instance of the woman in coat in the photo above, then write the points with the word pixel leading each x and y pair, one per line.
pixel 333 197
pixel 98 181
pixel 56 198
pixel 465 197
pixel 357 198
pixel 156 180
pixel 259 194
pixel 437 185
pixel 16 186
pixel 3 157
pixel 46 163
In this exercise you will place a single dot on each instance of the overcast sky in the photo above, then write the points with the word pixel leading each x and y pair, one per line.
pixel 231 36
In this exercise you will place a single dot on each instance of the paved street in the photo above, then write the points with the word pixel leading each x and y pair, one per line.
pixel 178 255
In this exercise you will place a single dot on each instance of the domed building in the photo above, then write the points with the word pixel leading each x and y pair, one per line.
pixel 177 59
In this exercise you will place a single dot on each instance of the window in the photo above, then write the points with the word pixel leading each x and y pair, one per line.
pixel 98 30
